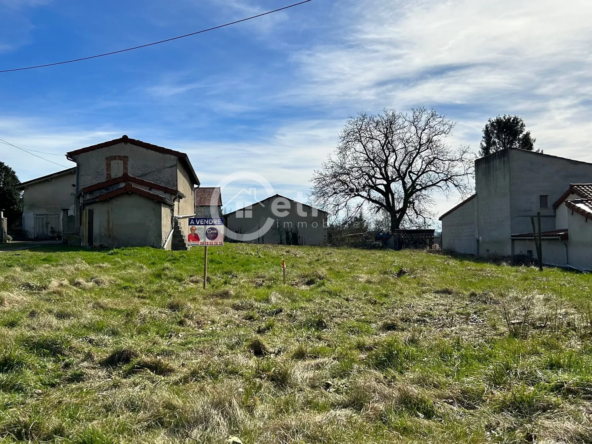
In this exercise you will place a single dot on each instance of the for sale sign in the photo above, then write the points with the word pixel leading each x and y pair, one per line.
pixel 206 232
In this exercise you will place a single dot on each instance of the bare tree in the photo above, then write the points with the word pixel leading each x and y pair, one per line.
pixel 392 162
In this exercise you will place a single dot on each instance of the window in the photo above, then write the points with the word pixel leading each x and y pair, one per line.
pixel 116 168
pixel 543 201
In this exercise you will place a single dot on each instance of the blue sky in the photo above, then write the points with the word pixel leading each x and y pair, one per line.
pixel 272 95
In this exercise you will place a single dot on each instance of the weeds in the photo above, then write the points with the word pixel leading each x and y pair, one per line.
pixel 125 346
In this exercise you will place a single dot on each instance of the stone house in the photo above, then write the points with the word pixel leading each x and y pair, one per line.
pixel 511 187
pixel 48 205
pixel 132 193
pixel 278 220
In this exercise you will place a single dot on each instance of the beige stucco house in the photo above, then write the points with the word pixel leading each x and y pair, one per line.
pixel 132 193
pixel 278 220
pixel 48 206
pixel 511 187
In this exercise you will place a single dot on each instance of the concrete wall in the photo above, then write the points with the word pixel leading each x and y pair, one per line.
pixel 459 229
pixel 185 206
pixel 492 179
pixel 143 163
pixel 532 175
pixel 580 241
pixel 166 215
pixel 48 197
pixel 561 219
pixel 553 250
pixel 311 229
pixel 127 221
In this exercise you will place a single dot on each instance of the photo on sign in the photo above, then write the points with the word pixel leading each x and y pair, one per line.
pixel 196 235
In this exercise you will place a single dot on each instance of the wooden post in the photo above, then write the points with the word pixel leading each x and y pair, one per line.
pixel 538 240
pixel 540 243
pixel 205 266
pixel 284 269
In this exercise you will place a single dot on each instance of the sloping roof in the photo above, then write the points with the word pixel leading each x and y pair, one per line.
pixel 128 189
pixel 274 196
pixel 141 144
pixel 549 235
pixel 581 206
pixel 458 206
pixel 583 190
pixel 48 177
pixel 127 178
pixel 206 195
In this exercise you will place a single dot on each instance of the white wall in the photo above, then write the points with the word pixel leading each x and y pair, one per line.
pixel 553 250
pixel 459 230
pixel 580 241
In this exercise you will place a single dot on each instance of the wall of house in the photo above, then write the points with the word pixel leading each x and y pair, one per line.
pixel 492 180
pixel 532 175
pixel 553 250
pixel 208 212
pixel 185 206
pixel 561 219
pixel 143 163
pixel 459 230
pixel 48 197
pixel 127 221
pixel 580 241
pixel 166 215
pixel 310 229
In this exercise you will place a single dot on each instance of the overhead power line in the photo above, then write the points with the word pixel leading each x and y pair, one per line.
pixel 32 154
pixel 156 43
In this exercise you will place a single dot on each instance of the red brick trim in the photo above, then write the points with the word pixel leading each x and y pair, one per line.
pixel 109 159
pixel 127 178
pixel 141 144
pixel 129 189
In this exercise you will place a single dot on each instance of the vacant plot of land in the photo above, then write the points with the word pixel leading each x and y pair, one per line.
pixel 359 346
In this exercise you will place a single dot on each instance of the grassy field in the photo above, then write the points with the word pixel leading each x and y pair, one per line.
pixel 359 346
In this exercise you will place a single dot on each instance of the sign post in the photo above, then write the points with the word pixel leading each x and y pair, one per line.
pixel 206 232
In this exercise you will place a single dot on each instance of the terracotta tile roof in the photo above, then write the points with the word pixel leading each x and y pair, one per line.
pixel 129 189
pixel 581 206
pixel 206 195
pixel 126 178
pixel 554 234
pixel 141 144
pixel 583 190
pixel 48 177
pixel 458 206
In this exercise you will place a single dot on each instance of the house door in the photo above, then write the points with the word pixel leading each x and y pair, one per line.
pixel 90 231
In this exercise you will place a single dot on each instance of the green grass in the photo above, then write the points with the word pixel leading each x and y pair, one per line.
pixel 125 346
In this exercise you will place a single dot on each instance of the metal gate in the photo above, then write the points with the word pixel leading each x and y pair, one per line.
pixel 47 225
